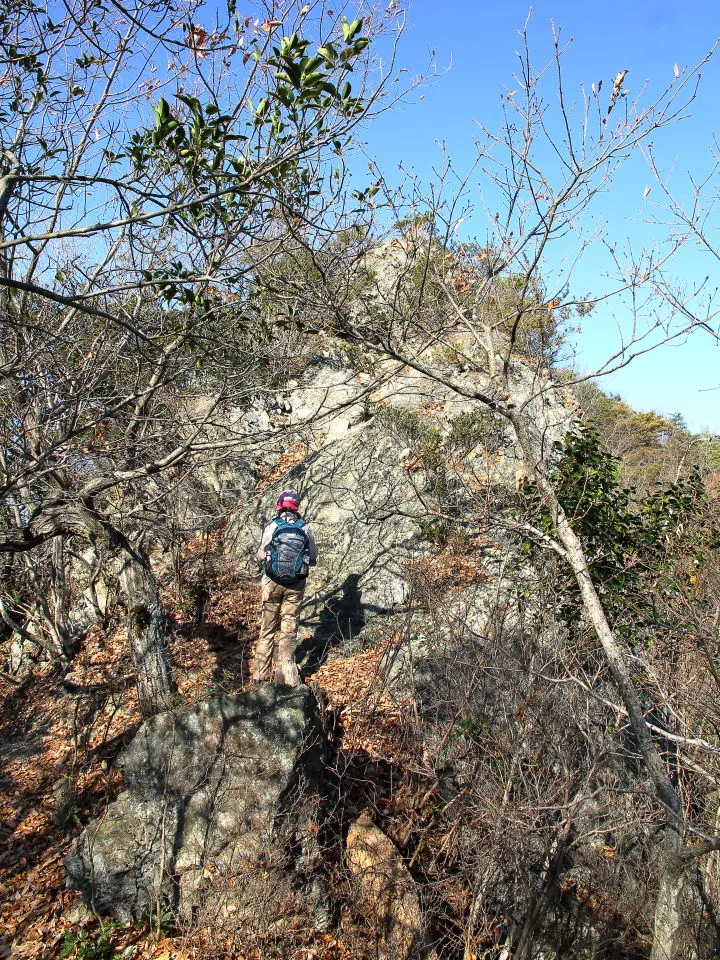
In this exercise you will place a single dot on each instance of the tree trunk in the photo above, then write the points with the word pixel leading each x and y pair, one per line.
pixel 668 916
pixel 540 903
pixel 147 632
pixel 61 599
pixel 668 908
pixel 569 545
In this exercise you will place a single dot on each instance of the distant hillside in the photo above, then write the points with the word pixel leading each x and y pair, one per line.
pixel 652 448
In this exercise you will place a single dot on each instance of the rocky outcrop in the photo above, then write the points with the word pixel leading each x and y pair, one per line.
pixel 384 459
pixel 218 816
pixel 386 891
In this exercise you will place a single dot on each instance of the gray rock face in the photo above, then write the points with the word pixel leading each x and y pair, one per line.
pixel 368 497
pixel 433 636
pixel 20 656
pixel 367 518
pixel 217 816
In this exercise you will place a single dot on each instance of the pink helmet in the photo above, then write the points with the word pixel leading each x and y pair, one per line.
pixel 288 500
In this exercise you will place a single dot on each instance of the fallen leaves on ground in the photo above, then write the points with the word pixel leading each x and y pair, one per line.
pixel 59 737
pixel 371 719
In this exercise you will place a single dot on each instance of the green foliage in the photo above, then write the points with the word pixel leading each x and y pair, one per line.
pixel 360 359
pixel 424 438
pixel 161 921
pixel 406 425
pixel 436 530
pixel 282 285
pixel 279 285
pixel 89 944
pixel 472 727
pixel 475 428
pixel 431 444
pixel 69 816
pixel 419 224
pixel 651 448
pixel 710 449
pixel 611 415
pixel 437 449
pixel 302 89
pixel 454 353
pixel 631 543
pixel 532 319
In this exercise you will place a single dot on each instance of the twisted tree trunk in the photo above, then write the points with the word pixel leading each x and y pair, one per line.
pixel 147 632
pixel 667 925
pixel 61 600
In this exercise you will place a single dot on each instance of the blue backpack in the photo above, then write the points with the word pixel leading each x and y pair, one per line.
pixel 287 563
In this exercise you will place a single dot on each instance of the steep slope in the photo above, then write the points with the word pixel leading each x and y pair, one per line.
pixel 390 464
pixel 457 714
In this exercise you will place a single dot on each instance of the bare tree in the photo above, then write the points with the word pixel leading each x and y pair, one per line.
pixel 130 322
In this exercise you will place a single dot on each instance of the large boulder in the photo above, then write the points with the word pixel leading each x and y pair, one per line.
pixel 367 518
pixel 386 455
pixel 218 815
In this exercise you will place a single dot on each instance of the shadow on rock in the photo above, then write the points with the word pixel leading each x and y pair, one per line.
pixel 342 617
pixel 217 818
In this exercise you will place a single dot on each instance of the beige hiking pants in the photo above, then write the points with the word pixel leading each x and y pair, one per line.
pixel 278 634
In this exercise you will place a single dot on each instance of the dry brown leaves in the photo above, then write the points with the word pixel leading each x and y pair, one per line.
pixel 57 744
pixel 371 720
pixel 57 747
pixel 429 409
pixel 597 903
pixel 35 726
pixel 448 570
pixel 286 461
pixel 207 542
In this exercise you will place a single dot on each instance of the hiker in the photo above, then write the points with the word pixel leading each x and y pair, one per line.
pixel 287 549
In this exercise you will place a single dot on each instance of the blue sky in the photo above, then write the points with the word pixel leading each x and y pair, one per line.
pixel 477 44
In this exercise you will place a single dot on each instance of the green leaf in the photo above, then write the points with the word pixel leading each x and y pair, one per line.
pixel 350 30
pixel 328 53
pixel 311 79
pixel 310 64
pixel 162 110
pixel 292 72
pixel 191 102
